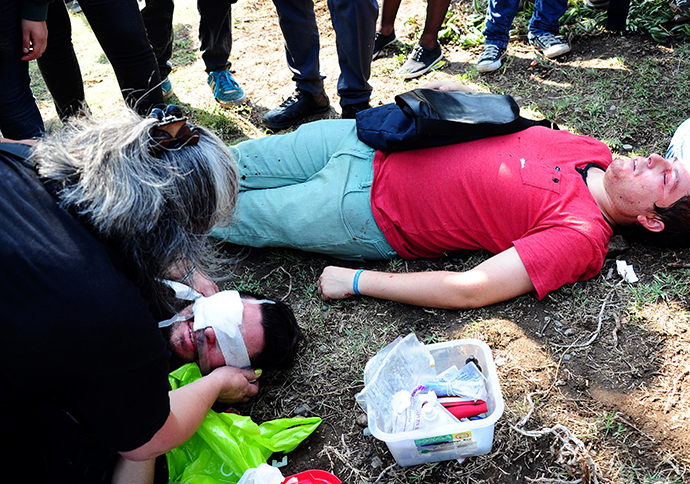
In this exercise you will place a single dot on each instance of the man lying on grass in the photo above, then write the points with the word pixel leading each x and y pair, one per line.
pixel 544 202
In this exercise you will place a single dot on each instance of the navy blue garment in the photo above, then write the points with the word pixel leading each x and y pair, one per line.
pixel 425 118
pixel 354 22
pixel 84 364
pixel 119 28
pixel 215 32
pixel 19 115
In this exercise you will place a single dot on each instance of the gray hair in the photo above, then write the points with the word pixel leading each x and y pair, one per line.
pixel 155 209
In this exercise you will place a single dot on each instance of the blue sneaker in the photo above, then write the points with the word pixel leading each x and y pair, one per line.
pixel 166 87
pixel 225 89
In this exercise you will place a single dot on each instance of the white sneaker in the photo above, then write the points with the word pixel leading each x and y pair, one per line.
pixel 549 44
pixel 491 58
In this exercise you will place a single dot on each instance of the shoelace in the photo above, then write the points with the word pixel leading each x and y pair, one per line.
pixel 225 82
pixel 294 97
pixel 490 52
pixel 548 40
pixel 417 52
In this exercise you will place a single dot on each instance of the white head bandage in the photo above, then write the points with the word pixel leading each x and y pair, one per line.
pixel 223 312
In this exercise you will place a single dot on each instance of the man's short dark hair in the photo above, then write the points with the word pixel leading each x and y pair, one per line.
pixel 676 233
pixel 282 335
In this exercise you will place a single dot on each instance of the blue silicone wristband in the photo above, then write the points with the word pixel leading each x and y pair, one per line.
pixel 355 283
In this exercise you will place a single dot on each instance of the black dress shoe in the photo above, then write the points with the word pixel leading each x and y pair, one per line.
pixel 350 111
pixel 295 108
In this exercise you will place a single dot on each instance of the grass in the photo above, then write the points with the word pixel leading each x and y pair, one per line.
pixel 665 287
pixel 649 90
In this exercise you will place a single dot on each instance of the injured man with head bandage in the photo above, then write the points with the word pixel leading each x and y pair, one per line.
pixel 231 328
pixel 228 328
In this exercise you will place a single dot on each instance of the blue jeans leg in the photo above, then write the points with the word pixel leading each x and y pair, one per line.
pixel 19 115
pixel 354 22
pixel 499 18
pixel 298 24
pixel 308 190
pixel 546 16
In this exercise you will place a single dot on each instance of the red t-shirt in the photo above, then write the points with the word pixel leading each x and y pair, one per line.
pixel 517 190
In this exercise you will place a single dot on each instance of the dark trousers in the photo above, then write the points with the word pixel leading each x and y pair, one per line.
pixel 120 30
pixel 19 115
pixel 354 22
pixel 215 32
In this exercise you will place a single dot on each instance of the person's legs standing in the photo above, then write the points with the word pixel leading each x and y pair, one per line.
pixel 59 65
pixel 158 20
pixel 427 54
pixel 215 37
pixel 19 115
pixel 385 32
pixel 389 11
pixel 544 25
pixel 354 22
pixel 546 16
pixel 215 33
pixel 499 18
pixel 298 24
pixel 120 30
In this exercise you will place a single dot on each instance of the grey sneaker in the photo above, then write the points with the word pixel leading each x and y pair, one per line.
pixel 550 45
pixel 491 58
pixel 420 62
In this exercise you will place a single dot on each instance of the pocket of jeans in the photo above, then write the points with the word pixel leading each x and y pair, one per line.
pixel 357 215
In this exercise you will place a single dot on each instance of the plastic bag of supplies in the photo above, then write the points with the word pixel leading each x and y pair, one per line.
pixel 226 445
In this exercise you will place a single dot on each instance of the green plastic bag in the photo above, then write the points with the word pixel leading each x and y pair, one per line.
pixel 226 445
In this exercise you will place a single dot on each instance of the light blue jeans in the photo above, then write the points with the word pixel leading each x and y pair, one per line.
pixel 680 143
pixel 309 190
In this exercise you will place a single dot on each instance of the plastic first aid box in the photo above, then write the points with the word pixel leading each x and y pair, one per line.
pixel 455 441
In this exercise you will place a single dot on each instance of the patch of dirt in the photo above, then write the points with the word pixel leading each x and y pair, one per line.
pixel 586 357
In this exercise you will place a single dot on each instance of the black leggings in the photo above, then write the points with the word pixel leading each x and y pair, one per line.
pixel 119 28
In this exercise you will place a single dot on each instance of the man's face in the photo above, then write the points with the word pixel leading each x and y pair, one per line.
pixel 635 185
pixel 183 339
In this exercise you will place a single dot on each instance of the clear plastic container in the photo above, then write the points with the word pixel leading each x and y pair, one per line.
pixel 449 441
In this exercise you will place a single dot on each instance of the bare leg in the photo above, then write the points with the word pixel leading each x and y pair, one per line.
pixel 389 10
pixel 435 14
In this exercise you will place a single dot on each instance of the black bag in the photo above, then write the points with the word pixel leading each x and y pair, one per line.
pixel 424 118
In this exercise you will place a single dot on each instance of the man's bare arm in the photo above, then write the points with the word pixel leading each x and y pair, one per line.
pixel 499 278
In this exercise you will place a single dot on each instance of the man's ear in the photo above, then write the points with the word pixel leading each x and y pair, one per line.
pixel 652 223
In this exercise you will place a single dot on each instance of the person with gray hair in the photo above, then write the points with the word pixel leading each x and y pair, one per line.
pixel 94 218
